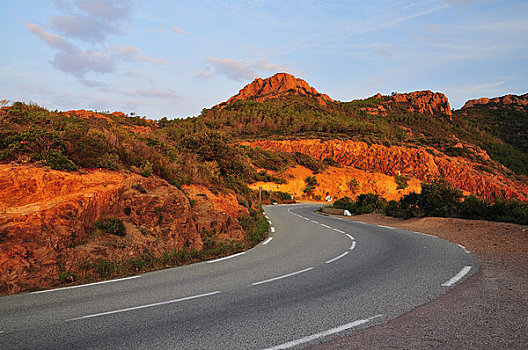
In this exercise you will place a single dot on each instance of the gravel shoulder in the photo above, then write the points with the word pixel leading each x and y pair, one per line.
pixel 487 311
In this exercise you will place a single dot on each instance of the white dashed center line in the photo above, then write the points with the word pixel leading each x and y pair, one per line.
pixel 336 258
pixel 281 277
pixel 316 336
pixel 144 306
pixel 86 285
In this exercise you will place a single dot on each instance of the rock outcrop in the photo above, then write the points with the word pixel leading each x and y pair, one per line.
pixel 514 102
pixel 278 85
pixel 47 221
pixel 417 101
pixel 419 163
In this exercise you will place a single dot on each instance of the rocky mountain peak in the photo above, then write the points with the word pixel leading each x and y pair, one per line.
pixel 278 85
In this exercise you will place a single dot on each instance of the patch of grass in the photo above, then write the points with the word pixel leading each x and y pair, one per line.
pixel 111 225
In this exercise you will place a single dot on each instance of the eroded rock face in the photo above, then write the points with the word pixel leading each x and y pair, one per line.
pixel 515 102
pixel 47 221
pixel 417 101
pixel 418 163
pixel 278 85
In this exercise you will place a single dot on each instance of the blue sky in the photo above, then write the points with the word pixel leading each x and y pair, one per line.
pixel 172 58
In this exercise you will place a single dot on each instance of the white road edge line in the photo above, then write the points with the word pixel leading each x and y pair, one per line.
pixel 464 248
pixel 338 230
pixel 425 234
pixel 315 222
pixel 281 277
pixel 272 229
pixel 353 245
pixel 144 306
pixel 457 277
pixel 315 336
pixel 86 285
pixel 349 236
pixel 336 258
pixel 391 228
pixel 267 240
pixel 325 225
pixel 305 218
pixel 226 257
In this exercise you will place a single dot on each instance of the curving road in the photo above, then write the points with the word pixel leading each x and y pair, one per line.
pixel 316 276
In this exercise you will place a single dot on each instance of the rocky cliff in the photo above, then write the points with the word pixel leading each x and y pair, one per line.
pixel 47 221
pixel 514 102
pixel 420 163
pixel 278 85
pixel 417 101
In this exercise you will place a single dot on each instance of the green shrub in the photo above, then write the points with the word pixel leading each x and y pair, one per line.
pixel 67 276
pixel 105 268
pixel 353 185
pixel 111 225
pixel 58 161
pixel 439 198
pixel 146 169
pixel 402 182
pixel 345 203
pixel 368 203
pixel 311 183
pixel 109 161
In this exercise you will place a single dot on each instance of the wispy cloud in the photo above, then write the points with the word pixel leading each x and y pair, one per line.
pixel 90 21
pixel 164 94
pixel 238 70
pixel 179 30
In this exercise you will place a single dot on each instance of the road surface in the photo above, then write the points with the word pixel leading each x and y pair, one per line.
pixel 313 278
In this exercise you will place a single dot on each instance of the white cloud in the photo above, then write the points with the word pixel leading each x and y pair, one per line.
pixel 238 70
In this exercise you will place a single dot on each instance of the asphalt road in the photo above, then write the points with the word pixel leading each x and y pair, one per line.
pixel 316 277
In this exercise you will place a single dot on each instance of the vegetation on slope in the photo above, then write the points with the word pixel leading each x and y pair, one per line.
pixel 440 199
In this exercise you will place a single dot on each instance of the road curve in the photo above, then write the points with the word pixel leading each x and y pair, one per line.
pixel 314 277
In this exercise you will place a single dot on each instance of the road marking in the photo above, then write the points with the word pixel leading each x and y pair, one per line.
pixel 457 277
pixel 272 229
pixel 86 285
pixel 315 222
pixel 281 277
pixel 336 258
pixel 267 241
pixel 349 236
pixel 464 248
pixel 144 306
pixel 305 218
pixel 353 245
pixel 270 222
pixel 325 225
pixel 226 257
pixel 391 228
pixel 338 230
pixel 267 217
pixel 313 337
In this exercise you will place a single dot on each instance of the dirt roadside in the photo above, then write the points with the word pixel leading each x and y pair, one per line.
pixel 487 311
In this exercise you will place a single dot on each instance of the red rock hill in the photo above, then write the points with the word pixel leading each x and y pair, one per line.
pixel 417 101
pixel 418 163
pixel 276 86
pixel 515 102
